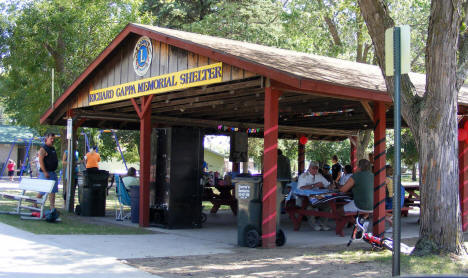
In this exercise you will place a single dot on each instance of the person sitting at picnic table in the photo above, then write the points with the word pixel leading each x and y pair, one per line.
pixel 325 171
pixel 361 184
pixel 92 159
pixel 312 179
pixel 11 169
pixel 348 172
pixel 130 179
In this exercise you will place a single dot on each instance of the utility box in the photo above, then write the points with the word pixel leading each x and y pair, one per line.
pixel 249 214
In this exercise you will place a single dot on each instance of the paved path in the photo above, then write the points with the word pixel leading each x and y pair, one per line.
pixel 24 254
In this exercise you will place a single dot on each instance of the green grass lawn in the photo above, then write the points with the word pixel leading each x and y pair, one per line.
pixel 71 223
pixel 440 264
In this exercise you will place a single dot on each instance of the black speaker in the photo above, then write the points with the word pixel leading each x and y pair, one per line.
pixel 239 147
pixel 176 165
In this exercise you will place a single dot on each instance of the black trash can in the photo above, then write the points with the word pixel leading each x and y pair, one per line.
pixel 135 200
pixel 249 213
pixel 92 193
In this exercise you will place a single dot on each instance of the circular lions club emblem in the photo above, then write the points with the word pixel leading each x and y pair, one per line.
pixel 142 55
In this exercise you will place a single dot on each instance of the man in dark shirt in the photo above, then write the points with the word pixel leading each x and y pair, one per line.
pixel 284 166
pixel 48 161
pixel 283 170
pixel 336 170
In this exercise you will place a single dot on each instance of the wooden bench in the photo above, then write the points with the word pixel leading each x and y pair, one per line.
pixel 30 185
pixel 297 214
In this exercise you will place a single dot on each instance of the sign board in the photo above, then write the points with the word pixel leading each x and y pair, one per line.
pixel 142 56
pixel 405 38
pixel 69 128
pixel 180 80
pixel 243 191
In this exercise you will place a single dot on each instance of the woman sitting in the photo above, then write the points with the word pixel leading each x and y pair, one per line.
pixel 130 179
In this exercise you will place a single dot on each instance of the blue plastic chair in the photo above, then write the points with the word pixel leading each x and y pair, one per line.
pixel 123 197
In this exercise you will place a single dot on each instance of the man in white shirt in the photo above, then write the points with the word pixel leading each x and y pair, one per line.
pixel 312 179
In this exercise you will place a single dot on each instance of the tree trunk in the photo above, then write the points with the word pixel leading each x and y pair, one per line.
pixel 362 143
pixel 433 121
pixel 413 172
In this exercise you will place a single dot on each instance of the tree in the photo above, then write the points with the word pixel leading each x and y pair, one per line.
pixel 37 36
pixel 334 29
pixel 432 117
pixel 322 151
pixel 176 14
pixel 409 153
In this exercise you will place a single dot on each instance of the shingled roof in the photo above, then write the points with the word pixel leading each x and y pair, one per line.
pixel 341 92
pixel 301 65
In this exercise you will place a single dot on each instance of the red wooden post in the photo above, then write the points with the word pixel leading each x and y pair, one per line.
pixel 379 169
pixel 463 180
pixel 270 167
pixel 144 113
pixel 353 153
pixel 300 158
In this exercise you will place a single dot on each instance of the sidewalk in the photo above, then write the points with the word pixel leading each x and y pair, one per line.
pixel 28 255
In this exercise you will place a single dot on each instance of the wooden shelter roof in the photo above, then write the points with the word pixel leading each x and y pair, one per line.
pixel 323 97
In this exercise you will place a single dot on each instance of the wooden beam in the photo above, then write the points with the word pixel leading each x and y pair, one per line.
pixel 320 88
pixel 110 116
pixel 368 109
pixel 224 96
pixel 233 104
pixel 379 170
pixel 282 128
pixel 269 189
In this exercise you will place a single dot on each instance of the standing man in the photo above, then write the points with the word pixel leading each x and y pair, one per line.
pixel 48 162
pixel 38 165
pixel 65 173
pixel 336 170
pixel 284 166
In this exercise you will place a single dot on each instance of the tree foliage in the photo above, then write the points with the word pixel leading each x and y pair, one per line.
pixel 409 152
pixel 176 14
pixel 37 36
pixel 323 151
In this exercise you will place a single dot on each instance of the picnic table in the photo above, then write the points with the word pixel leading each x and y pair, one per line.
pixel 224 197
pixel 413 199
pixel 315 198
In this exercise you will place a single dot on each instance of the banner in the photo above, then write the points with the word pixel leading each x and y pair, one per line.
pixel 180 80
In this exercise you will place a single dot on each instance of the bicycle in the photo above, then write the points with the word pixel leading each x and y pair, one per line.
pixel 360 233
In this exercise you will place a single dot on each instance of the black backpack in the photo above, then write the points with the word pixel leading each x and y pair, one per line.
pixel 52 215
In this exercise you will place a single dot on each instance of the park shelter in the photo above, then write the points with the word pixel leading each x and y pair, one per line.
pixel 282 93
